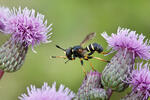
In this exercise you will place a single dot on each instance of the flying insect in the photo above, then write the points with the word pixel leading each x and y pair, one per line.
pixel 83 53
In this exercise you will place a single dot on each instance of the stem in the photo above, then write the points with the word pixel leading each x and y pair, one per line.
pixel 1 73
pixel 109 93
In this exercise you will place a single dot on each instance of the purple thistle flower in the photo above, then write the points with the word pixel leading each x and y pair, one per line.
pixel 28 27
pixel 126 39
pixel 128 45
pixel 140 81
pixel 4 14
pixel 134 96
pixel 47 93
pixel 92 88
pixel 2 26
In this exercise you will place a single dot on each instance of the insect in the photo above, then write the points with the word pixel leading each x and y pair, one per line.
pixel 83 53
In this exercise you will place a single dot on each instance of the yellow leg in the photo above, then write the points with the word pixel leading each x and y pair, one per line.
pixel 83 70
pixel 101 59
pixel 73 59
pixel 92 66
pixel 81 60
pixel 86 58
pixel 104 53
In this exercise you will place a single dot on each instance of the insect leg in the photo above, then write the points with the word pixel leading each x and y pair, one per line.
pixel 81 60
pixel 92 66
pixel 59 57
pixel 101 59
pixel 69 59
pixel 104 53
pixel 89 57
pixel 91 53
pixel 66 61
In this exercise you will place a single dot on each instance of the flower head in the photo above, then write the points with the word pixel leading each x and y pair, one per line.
pixel 126 39
pixel 28 27
pixel 91 88
pixel 4 12
pixel 140 79
pixel 2 26
pixel 92 80
pixel 47 93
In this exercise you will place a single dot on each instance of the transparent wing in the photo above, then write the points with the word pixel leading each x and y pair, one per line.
pixel 87 38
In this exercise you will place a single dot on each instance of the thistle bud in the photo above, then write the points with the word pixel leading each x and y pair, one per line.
pixel 12 55
pixel 91 88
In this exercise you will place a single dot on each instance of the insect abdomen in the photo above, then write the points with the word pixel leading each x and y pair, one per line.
pixel 94 47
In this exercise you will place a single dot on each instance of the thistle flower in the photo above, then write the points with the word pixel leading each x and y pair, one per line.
pixel 129 41
pixel 4 14
pixel 91 88
pixel 140 81
pixel 129 46
pixel 26 28
pixel 2 26
pixel 47 93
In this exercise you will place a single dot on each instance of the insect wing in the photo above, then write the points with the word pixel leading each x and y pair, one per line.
pixel 87 38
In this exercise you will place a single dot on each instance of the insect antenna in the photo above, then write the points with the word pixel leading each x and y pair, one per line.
pixel 59 57
pixel 60 48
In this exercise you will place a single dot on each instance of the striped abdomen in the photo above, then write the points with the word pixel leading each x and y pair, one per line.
pixel 94 47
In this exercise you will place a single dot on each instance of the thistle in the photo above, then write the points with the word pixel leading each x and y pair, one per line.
pixel 2 26
pixel 4 14
pixel 91 88
pixel 3 18
pixel 26 28
pixel 139 80
pixel 47 93
pixel 129 46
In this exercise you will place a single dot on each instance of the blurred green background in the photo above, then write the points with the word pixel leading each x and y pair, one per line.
pixel 72 20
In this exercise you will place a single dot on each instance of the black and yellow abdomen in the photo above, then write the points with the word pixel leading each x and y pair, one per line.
pixel 94 47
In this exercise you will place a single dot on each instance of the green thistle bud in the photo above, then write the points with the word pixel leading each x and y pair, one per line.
pixel 117 71
pixel 12 55
pixel 91 88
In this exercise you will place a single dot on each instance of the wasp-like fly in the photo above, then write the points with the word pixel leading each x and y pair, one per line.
pixel 83 53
